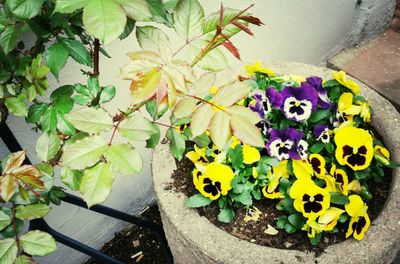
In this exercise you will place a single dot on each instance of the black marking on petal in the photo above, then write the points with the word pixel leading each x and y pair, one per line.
pixel 316 163
pixel 347 150
pixel 319 197
pixel 362 150
pixel 298 110
pixel 312 207
pixel 356 160
pixel 306 198
pixel 361 223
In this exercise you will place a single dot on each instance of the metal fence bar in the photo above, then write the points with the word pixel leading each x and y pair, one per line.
pixel 13 145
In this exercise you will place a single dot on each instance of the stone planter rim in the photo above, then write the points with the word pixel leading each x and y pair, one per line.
pixel 208 243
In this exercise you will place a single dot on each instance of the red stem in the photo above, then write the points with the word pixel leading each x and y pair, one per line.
pixel 15 226
pixel 115 129
pixel 32 190
pixel 96 57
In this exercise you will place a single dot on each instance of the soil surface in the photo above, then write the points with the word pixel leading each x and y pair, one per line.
pixel 136 244
pixel 254 231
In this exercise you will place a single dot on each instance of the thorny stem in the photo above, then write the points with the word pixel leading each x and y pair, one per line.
pixel 115 129
pixel 14 222
pixel 96 52
pixel 162 124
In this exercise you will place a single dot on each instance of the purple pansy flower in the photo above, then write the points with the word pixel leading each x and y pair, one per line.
pixel 299 102
pixel 321 132
pixel 323 99
pixel 259 105
pixel 274 97
pixel 285 144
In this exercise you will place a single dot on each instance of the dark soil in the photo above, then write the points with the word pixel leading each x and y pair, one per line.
pixel 254 231
pixel 136 244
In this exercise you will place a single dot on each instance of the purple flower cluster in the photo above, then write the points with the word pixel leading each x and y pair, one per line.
pixel 287 144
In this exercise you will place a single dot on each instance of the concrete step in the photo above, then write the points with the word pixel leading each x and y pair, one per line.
pixel 376 63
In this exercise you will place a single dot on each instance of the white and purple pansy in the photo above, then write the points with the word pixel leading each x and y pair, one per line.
pixel 321 132
pixel 274 97
pixel 299 102
pixel 323 99
pixel 285 144
pixel 260 104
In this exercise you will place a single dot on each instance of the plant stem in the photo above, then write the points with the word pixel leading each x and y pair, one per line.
pixel 115 129
pixel 96 52
pixel 32 191
pixel 187 43
pixel 15 226
pixel 162 124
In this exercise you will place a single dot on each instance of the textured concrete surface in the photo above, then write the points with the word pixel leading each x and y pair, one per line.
pixel 193 239
pixel 376 63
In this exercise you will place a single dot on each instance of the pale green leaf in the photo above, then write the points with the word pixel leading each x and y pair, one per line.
pixel 8 251
pixel 124 158
pixel 107 94
pixel 231 93
pixel 229 29
pixel 184 107
pixel 138 10
pixel 24 259
pixel 48 120
pixel 215 60
pixel 104 19
pixel 188 18
pixel 16 106
pixel 91 120
pixel 32 211
pixel 8 185
pixel 47 146
pixel 71 178
pixel 56 57
pixel 5 220
pixel 201 119
pixel 84 153
pixel 96 183
pixel 220 130
pixel 201 87
pixel 244 112
pixel 177 143
pixel 64 126
pixel 9 38
pixel 153 39
pixel 38 243
pixel 146 86
pixel 69 6
pixel 137 128
pixel 246 132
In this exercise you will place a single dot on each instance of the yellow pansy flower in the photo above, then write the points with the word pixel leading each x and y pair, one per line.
pixel 257 67
pixel 234 142
pixel 198 157
pixel 382 154
pixel 360 221
pixel 271 190
pixel 250 154
pixel 330 218
pixel 309 199
pixel 354 147
pixel 341 78
pixel 254 172
pixel 365 111
pixel 318 164
pixel 354 186
pixel 302 169
pixel 215 181
pixel 341 179
pixel 345 105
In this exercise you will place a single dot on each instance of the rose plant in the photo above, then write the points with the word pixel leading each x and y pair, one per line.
pixel 82 140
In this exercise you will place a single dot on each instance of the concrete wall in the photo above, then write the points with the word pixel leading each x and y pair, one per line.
pixel 303 31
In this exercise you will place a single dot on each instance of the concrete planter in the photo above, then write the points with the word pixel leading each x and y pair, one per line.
pixel 193 239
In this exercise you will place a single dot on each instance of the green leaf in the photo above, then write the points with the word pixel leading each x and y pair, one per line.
pixel 71 178
pixel 281 222
pixel 137 10
pixel 38 243
pixel 107 94
pixel 69 6
pixel 5 220
pixel 32 211
pixel 84 153
pixel 91 120
pixel 47 146
pixel 96 183
pixel 36 111
pixel 215 60
pixel 330 83
pixel 236 156
pixel 9 38
pixel 49 120
pixel 297 220
pixel 188 19
pixel 151 38
pixel 24 259
pixel 77 51
pixel 64 126
pixel 24 8
pixel 104 20
pixel 197 200
pixel 61 99
pixel 244 198
pixel 315 240
pixel 319 115
pixel 330 147
pixel 82 99
pixel 158 11
pixel 213 20
pixel 177 143
pixel 343 218
pixel 290 229
pixel 317 147
pixel 16 106
pixel 226 215
pixel 4 76
pixel 202 141
pixel 56 57
pixel 137 128
pixel 338 198
pixel 93 86
pixel 124 158
pixel 8 251
pixel 154 139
